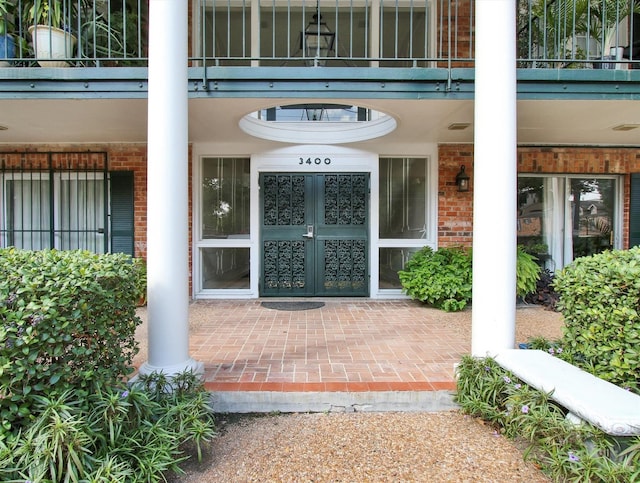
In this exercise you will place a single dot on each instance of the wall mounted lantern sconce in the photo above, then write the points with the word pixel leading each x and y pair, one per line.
pixel 462 179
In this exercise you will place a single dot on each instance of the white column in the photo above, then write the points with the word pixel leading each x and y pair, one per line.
pixel 255 32
pixel 167 191
pixel 495 179
pixel 374 35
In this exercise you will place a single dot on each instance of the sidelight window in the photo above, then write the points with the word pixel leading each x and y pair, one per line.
pixel 224 209
pixel 404 222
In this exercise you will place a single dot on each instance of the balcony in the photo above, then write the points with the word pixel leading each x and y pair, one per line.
pixel 248 56
pixel 551 34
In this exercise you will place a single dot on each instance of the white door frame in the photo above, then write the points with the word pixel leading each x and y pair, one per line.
pixel 315 159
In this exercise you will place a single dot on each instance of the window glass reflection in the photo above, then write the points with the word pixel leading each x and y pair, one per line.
pixel 225 198
pixel 403 194
pixel 591 215
pixel 392 260
pixel 562 218
pixel 225 268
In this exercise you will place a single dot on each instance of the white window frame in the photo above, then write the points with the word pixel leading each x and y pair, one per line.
pixel 288 160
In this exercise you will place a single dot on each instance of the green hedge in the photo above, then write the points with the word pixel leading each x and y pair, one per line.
pixel 600 299
pixel 67 320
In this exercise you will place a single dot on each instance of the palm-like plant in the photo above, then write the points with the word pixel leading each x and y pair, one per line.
pixel 555 25
pixel 603 17
pixel 7 8
pixel 7 41
pixel 45 12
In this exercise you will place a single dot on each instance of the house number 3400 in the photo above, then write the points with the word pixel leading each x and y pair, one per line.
pixel 316 161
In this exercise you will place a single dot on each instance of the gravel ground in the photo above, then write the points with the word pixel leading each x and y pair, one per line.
pixel 371 447
pixel 362 447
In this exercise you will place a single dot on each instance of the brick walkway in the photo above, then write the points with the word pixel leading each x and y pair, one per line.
pixel 347 345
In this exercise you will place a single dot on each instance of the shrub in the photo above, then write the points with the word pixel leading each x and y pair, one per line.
pixel 141 285
pixel 600 299
pixel 67 321
pixel 442 278
pixel 544 294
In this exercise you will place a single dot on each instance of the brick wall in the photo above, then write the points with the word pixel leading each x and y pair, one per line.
pixel 455 209
pixel 461 15
pixel 455 214
pixel 129 157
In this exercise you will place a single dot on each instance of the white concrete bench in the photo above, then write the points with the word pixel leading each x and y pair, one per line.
pixel 613 409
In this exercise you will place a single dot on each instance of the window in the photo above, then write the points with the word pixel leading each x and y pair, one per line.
pixel 226 34
pixel 392 260
pixel 60 210
pixel 403 33
pixel 225 198
pixel 26 211
pixel 403 191
pixel 403 215
pixel 393 34
pixel 224 261
pixel 564 217
pixel 224 268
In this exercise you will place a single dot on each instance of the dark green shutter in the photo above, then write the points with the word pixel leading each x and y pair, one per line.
pixel 634 211
pixel 122 218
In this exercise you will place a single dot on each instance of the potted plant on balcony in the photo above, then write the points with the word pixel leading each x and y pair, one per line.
pixel 575 30
pixel 51 22
pixel 7 41
pixel 603 27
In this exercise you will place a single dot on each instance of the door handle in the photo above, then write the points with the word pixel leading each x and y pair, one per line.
pixel 309 233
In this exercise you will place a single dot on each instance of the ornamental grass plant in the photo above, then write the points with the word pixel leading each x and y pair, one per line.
pixel 119 433
pixel 564 450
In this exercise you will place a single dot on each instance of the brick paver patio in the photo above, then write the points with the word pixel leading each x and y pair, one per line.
pixel 347 345
pixel 350 354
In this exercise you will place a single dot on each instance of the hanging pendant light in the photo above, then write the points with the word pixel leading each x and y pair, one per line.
pixel 317 40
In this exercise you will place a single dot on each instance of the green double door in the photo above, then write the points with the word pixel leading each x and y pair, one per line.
pixel 314 234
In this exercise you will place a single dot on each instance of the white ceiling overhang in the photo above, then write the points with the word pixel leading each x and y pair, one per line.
pixel 544 122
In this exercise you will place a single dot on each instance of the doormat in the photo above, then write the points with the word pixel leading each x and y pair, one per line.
pixel 292 305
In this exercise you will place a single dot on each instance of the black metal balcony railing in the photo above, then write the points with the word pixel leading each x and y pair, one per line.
pixel 386 33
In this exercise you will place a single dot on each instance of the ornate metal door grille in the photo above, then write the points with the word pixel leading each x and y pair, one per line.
pixel 314 234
